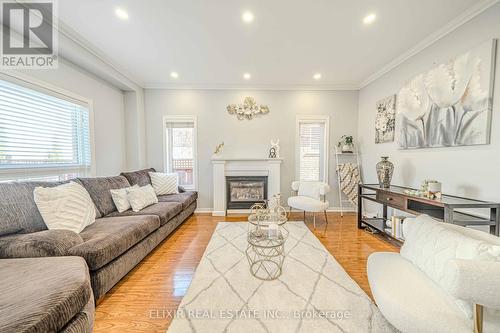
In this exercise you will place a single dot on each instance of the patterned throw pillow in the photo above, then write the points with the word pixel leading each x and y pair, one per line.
pixel 120 198
pixel 141 197
pixel 165 183
pixel 66 206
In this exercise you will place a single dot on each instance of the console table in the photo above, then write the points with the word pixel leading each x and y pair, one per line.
pixel 444 209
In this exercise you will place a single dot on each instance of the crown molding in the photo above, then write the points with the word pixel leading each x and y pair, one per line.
pixel 463 18
pixel 114 69
pixel 261 87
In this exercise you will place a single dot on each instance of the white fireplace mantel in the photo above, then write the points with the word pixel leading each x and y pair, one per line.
pixel 223 167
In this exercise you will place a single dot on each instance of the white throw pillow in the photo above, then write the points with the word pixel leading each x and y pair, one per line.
pixel 164 183
pixel 120 198
pixel 141 197
pixel 66 206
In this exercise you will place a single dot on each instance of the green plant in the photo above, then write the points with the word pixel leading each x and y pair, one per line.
pixel 346 140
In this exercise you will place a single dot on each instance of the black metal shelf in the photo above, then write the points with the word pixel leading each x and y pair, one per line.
pixel 444 209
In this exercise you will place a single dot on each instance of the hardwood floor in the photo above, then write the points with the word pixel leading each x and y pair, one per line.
pixel 140 301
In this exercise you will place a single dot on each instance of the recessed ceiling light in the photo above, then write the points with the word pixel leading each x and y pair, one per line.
pixel 370 18
pixel 247 17
pixel 174 75
pixel 247 76
pixel 121 13
pixel 317 76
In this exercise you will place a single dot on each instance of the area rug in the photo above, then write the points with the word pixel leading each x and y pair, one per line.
pixel 313 294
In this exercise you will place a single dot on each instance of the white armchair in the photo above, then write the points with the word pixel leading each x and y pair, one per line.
pixel 309 197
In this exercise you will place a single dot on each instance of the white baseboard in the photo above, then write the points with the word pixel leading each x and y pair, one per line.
pixel 246 211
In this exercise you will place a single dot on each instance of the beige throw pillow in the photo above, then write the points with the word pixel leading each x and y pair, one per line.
pixel 165 183
pixel 120 198
pixel 66 206
pixel 141 197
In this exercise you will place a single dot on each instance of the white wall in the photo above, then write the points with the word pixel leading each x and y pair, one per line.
pixel 244 138
pixel 108 105
pixel 464 171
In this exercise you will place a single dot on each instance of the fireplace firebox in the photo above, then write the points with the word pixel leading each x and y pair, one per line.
pixel 243 192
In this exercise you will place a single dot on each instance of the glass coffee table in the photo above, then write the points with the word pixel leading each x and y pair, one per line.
pixel 267 234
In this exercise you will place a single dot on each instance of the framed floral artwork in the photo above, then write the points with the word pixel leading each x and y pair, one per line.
pixel 451 104
pixel 385 120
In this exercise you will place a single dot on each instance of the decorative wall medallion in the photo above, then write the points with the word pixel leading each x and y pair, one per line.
pixel 248 110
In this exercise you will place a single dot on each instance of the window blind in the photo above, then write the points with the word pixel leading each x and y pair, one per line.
pixel 311 149
pixel 180 142
pixel 38 130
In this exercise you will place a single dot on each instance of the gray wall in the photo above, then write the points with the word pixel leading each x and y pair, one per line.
pixel 248 138
pixel 466 171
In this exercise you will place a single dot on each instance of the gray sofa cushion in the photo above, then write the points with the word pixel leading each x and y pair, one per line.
pixel 46 243
pixel 18 211
pixel 109 237
pixel 164 210
pixel 98 189
pixel 184 198
pixel 42 294
pixel 83 321
pixel 140 177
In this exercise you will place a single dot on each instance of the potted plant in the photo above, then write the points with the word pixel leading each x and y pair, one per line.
pixel 346 144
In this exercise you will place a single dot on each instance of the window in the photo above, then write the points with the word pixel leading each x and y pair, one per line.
pixel 312 148
pixel 180 152
pixel 42 135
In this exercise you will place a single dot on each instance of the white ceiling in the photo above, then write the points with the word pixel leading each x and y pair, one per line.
pixel 206 42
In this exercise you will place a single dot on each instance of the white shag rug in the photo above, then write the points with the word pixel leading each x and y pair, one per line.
pixel 313 294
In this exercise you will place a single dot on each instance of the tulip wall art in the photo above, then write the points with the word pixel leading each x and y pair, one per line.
pixel 450 105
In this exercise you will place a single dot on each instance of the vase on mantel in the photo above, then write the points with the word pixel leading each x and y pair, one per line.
pixel 385 168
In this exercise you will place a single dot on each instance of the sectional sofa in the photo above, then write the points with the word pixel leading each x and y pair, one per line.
pixel 113 245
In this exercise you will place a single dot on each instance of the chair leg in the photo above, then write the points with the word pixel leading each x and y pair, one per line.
pixel 304 216
pixel 314 220
pixel 326 220
pixel 478 318
pixel 289 212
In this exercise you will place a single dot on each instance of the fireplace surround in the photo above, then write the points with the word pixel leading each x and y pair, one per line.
pixel 243 167
pixel 244 191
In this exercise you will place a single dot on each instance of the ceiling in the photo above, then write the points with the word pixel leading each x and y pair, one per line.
pixel 209 46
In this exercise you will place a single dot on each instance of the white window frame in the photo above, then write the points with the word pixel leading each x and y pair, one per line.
pixel 29 82
pixel 166 161
pixel 300 119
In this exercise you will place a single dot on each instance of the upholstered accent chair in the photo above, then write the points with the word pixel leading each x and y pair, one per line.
pixel 310 197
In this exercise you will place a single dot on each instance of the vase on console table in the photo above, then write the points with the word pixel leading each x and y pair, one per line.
pixel 385 168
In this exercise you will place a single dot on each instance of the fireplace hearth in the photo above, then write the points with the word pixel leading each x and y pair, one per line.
pixel 243 192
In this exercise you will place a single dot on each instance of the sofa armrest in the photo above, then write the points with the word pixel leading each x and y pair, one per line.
pixel 47 243
pixel 474 281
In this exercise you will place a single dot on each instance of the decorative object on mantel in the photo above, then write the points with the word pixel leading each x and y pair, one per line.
pixel 218 149
pixel 450 105
pixel 274 151
pixel 385 168
pixel 385 120
pixel 346 144
pixel 248 110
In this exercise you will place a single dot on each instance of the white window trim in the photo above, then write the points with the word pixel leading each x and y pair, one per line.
pixel 46 88
pixel 182 119
pixel 312 119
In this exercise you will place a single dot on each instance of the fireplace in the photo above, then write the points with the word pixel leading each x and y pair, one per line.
pixel 243 192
